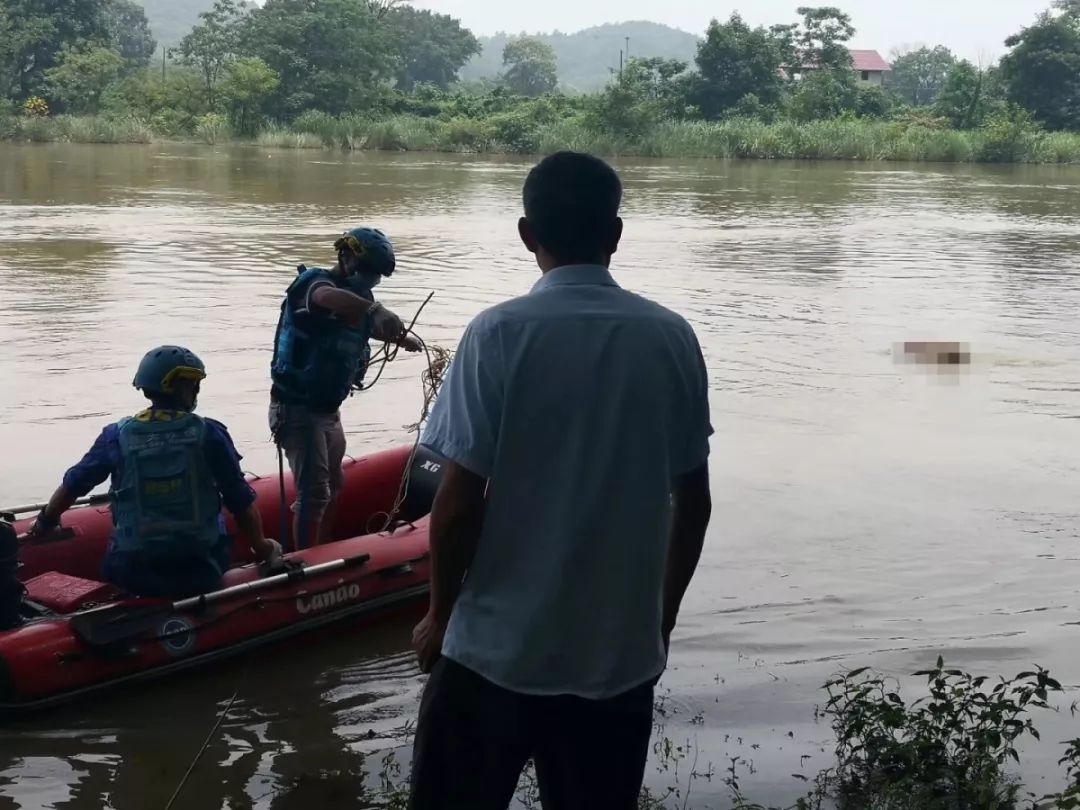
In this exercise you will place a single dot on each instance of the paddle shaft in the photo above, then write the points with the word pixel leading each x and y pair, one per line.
pixel 89 500
pixel 214 597
pixel 111 624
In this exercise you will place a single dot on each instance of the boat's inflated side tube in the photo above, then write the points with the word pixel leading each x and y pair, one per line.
pixel 425 474
pixel 11 590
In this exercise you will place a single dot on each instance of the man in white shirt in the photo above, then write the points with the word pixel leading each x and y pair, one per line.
pixel 575 426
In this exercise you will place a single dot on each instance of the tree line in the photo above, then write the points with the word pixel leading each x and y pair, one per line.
pixel 804 72
pixel 290 61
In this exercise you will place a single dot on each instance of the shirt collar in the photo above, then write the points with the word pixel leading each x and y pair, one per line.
pixel 574 275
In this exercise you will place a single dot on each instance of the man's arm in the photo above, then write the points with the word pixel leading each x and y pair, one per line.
pixel 352 308
pixel 49 517
pixel 464 430
pixel 692 504
pixel 249 522
pixel 457 516
pixel 236 493
pixel 691 498
pixel 346 305
pixel 93 469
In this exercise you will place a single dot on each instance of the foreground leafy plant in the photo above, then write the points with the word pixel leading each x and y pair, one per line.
pixel 946 750
pixel 949 750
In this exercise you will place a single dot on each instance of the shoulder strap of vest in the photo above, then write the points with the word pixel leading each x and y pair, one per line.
pixel 306 274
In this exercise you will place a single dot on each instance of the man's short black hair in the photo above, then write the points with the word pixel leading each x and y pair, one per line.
pixel 572 201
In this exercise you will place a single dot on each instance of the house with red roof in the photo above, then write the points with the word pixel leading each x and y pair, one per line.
pixel 869 67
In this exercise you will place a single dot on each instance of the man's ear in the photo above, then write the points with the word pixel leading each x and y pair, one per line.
pixel 616 236
pixel 528 239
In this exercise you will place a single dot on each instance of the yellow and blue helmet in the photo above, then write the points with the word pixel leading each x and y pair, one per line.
pixel 371 246
pixel 165 365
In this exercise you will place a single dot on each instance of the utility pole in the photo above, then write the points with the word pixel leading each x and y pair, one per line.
pixel 628 50
pixel 620 62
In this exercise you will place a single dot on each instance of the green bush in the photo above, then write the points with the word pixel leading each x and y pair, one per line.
pixel 949 749
pixel 515 132
pixel 284 138
pixel 1011 136
pixel 9 119
pixel 751 107
pixel 1058 147
pixel 873 102
pixel 466 134
pixel 317 122
pixel 212 128
pixel 173 123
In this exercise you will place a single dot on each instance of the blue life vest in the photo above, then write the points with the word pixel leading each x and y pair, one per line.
pixel 318 359
pixel 166 503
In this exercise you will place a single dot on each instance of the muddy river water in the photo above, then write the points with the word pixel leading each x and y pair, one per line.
pixel 867 511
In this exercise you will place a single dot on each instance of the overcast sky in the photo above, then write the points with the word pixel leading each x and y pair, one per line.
pixel 972 28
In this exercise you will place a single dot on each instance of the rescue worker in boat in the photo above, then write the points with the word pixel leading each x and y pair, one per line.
pixel 171 471
pixel 321 353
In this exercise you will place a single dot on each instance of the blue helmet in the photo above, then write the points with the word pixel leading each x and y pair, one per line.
pixel 163 366
pixel 372 247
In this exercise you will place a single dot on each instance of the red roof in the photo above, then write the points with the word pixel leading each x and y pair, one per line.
pixel 870 60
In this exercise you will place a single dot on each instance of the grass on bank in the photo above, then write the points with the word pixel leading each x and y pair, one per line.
pixel 839 139
pixel 950 749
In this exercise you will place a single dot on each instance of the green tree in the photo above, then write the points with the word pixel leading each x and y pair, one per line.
pixel 918 76
pixel 129 32
pixel 824 94
pixel 245 88
pixel 212 43
pixel 872 101
pixel 432 47
pixel 531 67
pixel 648 91
pixel 36 33
pixel 964 100
pixel 331 55
pixel 735 61
pixel 173 105
pixel 81 75
pixel 9 69
pixel 1042 71
pixel 821 39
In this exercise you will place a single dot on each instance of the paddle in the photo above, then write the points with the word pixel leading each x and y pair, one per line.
pixel 112 624
pixel 89 500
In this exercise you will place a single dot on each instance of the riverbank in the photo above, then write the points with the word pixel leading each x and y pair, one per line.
pixel 840 139
pixel 954 748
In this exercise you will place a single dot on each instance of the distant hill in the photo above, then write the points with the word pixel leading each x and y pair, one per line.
pixel 170 20
pixel 587 58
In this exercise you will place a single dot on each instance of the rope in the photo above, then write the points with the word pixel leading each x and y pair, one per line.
pixel 390 351
pixel 205 745
pixel 438 361
pixel 284 524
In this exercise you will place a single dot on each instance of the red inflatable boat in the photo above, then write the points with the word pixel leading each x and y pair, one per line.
pixel 80 634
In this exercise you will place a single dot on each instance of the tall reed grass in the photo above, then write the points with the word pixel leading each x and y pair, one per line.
pixel 78 129
pixel 840 139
